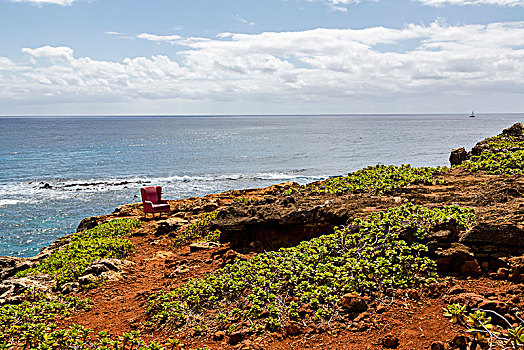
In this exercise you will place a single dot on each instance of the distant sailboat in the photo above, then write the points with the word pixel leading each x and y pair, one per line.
pixel 472 114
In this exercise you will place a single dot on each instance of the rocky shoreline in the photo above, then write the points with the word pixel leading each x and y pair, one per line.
pixel 252 221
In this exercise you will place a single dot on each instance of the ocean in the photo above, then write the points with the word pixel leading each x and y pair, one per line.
pixel 56 171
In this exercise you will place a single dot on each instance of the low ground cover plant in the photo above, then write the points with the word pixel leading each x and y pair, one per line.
pixel 505 335
pixel 30 325
pixel 504 142
pixel 378 179
pixel 199 230
pixel 107 240
pixel 29 322
pixel 501 154
pixel 373 256
pixel 492 162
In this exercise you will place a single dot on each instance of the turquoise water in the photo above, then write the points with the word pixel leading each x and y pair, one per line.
pixel 94 164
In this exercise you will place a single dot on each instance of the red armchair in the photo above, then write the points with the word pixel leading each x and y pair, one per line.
pixel 152 200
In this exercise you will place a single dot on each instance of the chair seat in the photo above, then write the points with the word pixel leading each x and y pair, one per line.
pixel 161 207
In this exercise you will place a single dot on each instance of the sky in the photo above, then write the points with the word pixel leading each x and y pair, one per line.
pixel 213 57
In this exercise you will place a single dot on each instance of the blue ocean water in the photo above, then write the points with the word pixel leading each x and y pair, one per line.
pixel 94 164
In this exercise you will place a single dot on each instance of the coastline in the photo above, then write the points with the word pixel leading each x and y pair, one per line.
pixel 211 165
pixel 255 221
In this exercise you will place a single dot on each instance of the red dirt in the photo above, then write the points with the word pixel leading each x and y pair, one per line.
pixel 119 306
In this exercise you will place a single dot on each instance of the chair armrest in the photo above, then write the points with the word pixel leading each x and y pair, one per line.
pixel 164 201
pixel 148 204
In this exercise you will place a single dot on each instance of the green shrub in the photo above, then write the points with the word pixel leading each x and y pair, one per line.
pixel 198 229
pixel 370 257
pixel 497 163
pixel 103 241
pixel 379 179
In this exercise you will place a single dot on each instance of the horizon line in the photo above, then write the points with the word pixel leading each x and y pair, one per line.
pixel 239 115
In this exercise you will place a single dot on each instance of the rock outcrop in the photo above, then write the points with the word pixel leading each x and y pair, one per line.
pixel 458 156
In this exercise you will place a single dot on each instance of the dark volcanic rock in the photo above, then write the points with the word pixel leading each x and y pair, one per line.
pixel 98 267
pixel 506 237
pixel 458 156
pixel 283 223
pixel 170 225
pixel 451 259
pixel 353 303
pixel 516 129
pixel 10 265
pixel 89 223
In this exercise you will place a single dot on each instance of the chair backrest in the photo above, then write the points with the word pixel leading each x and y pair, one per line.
pixel 151 193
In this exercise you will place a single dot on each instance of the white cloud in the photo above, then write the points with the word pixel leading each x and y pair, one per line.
pixel 57 55
pixel 342 5
pixel 48 2
pixel 437 3
pixel 243 20
pixel 162 38
pixel 321 66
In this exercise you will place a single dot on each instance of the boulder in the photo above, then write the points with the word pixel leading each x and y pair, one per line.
pixel 292 328
pixel 87 280
pixel 353 303
pixel 516 129
pixel 195 247
pixel 390 341
pixel 470 268
pixel 70 287
pixel 237 336
pixel 230 256
pixel 494 305
pixel 10 265
pixel 470 300
pixel 11 289
pixel 451 259
pixel 89 223
pixel 283 223
pixel 458 156
pixel 170 225
pixel 218 336
pixel 507 237
pixel 98 267
pixel 438 345
pixel 105 269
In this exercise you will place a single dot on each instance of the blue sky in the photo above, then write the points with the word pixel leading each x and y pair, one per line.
pixel 119 57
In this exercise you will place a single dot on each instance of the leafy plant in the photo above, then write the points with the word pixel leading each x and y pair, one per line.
pixel 456 312
pixel 498 163
pixel 242 199
pixel 485 333
pixel 103 241
pixel 369 257
pixel 377 179
pixel 198 229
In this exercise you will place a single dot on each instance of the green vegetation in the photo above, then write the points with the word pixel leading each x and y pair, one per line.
pixel 498 163
pixel 504 142
pixel 501 155
pixel 198 230
pixel 372 256
pixel 378 179
pixel 29 325
pixel 486 334
pixel 242 199
pixel 103 241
